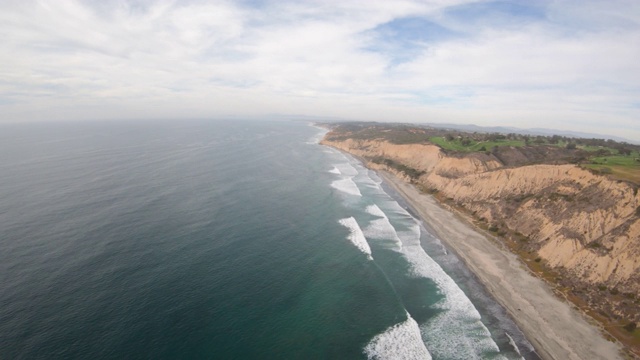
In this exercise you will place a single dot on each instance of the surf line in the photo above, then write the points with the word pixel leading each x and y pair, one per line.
pixel 356 236
pixel 400 341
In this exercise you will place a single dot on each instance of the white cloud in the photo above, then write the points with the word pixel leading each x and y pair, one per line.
pixel 572 68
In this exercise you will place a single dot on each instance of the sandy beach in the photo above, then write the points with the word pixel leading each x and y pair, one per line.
pixel 555 328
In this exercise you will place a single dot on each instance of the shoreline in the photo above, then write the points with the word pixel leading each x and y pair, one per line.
pixel 553 326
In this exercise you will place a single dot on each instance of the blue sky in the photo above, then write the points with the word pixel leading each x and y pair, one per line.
pixel 569 65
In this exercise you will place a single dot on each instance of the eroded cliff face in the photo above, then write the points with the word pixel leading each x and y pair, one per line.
pixel 585 227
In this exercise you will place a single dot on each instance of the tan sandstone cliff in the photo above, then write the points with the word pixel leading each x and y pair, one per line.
pixel 585 227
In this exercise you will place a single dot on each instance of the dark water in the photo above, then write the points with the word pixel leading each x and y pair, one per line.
pixel 226 240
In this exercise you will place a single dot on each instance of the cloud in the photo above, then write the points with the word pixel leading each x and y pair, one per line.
pixel 563 64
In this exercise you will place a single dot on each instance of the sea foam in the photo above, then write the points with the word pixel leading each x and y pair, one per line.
pixel 458 328
pixel 513 344
pixel 455 332
pixel 400 341
pixel 346 169
pixel 381 228
pixel 335 170
pixel 393 207
pixel 375 211
pixel 374 188
pixel 347 186
pixel 356 236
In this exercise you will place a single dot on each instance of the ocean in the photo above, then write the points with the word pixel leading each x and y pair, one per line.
pixel 222 240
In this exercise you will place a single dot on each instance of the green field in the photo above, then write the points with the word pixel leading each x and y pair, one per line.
pixel 624 167
pixel 606 157
pixel 618 160
pixel 596 148
pixel 457 144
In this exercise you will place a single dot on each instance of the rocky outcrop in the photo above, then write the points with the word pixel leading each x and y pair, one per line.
pixel 583 226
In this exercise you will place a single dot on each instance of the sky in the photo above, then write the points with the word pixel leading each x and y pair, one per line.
pixel 559 64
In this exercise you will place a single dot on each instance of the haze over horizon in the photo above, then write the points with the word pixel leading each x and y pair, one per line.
pixel 566 65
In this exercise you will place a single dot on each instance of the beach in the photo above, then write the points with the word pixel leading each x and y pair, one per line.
pixel 556 328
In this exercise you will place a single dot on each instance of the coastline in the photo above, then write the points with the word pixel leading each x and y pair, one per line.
pixel 554 327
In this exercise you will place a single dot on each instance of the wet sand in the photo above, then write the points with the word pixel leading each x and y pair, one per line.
pixel 553 326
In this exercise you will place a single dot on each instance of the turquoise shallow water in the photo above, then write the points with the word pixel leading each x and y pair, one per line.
pixel 221 239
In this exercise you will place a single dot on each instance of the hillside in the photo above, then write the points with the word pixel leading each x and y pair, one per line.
pixel 571 220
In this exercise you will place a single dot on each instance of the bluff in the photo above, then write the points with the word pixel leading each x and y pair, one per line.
pixel 581 228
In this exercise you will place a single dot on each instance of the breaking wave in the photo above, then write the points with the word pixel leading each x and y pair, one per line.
pixel 346 186
pixel 457 330
pixel 356 236
pixel 381 228
pixel 400 341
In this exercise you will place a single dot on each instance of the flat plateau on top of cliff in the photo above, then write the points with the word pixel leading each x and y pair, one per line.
pixel 620 160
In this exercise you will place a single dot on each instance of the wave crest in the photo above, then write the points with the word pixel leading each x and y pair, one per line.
pixel 356 236
pixel 400 341
pixel 346 186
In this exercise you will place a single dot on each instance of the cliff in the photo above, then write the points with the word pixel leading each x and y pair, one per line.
pixel 582 229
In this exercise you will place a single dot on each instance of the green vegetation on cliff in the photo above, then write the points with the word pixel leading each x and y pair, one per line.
pixel 467 144
pixel 617 159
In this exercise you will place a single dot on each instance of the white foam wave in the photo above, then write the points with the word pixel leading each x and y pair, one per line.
pixel 335 170
pixel 457 331
pixel 392 206
pixel 513 343
pixel 458 327
pixel 375 211
pixel 381 229
pixel 365 179
pixel 347 169
pixel 411 236
pixel 347 186
pixel 400 341
pixel 356 236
